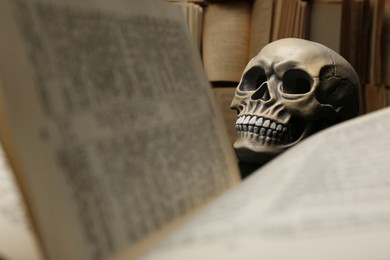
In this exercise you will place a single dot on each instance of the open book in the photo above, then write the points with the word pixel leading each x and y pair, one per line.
pixel 112 133
pixel 108 122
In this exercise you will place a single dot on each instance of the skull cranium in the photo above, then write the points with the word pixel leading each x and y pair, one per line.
pixel 290 90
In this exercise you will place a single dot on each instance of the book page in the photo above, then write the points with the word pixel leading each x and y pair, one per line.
pixel 17 240
pixel 326 198
pixel 261 26
pixel 226 40
pixel 109 121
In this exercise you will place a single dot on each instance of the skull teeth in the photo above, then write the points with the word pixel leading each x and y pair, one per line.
pixel 263 129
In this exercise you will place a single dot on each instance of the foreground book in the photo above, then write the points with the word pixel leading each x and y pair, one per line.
pixel 326 198
pixel 108 122
pixel 110 129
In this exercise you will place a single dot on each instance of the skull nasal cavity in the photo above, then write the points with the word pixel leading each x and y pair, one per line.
pixel 261 93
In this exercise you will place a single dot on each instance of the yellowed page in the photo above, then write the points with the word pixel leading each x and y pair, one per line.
pixel 17 240
pixel 226 40
pixel 261 25
pixel 326 198
pixel 110 121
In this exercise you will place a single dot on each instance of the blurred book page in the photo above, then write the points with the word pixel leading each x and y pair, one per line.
pixel 326 198
pixel 110 116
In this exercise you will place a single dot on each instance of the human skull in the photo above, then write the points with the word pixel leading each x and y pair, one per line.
pixel 290 90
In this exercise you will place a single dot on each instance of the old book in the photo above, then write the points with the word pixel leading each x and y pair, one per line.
pixel 365 44
pixel 109 123
pixel 301 24
pixel 371 56
pixel 325 23
pixel 375 97
pixel 351 32
pixel 116 142
pixel 377 8
pixel 292 20
pixel 386 45
pixel 236 31
pixel 233 33
pixel 193 13
pixel 261 26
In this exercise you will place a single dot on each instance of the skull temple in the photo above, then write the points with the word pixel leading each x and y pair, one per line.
pixel 290 90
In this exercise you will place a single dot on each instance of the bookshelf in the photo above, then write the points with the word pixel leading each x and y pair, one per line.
pixel 234 31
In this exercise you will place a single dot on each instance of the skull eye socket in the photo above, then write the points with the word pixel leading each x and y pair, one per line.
pixel 252 79
pixel 296 82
